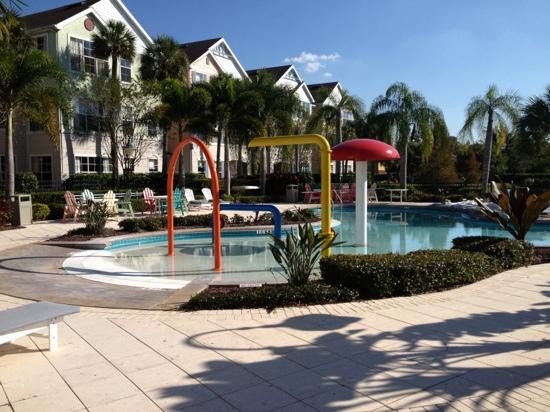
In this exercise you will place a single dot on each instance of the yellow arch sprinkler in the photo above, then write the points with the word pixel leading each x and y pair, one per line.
pixel 325 170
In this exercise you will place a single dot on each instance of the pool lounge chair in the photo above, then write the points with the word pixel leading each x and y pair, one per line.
pixel 194 203
pixel 371 193
pixel 207 193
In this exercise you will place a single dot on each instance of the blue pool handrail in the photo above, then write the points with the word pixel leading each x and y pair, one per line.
pixel 253 207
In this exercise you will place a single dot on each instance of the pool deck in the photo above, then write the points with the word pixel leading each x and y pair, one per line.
pixel 482 347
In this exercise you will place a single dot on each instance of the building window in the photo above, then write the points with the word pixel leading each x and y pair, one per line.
pixel 153 165
pixel 82 59
pixel 222 51
pixel 125 70
pixel 87 117
pixel 106 165
pixel 198 77
pixel 87 164
pixel 41 43
pixel 41 166
pixel 208 60
pixel 127 121
pixel 347 115
pixel 201 166
pixel 292 75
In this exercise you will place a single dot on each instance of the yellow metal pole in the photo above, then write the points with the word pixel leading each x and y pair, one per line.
pixel 323 144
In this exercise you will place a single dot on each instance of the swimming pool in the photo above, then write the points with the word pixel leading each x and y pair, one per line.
pixel 142 261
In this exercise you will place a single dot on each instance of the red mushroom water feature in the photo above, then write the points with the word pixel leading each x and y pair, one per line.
pixel 362 150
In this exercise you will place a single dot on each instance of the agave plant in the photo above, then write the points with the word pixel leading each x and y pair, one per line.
pixel 519 209
pixel 298 254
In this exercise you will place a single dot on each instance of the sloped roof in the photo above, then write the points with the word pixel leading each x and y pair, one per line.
pixel 54 16
pixel 196 49
pixel 319 90
pixel 277 72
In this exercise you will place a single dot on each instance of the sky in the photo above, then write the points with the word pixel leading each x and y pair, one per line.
pixel 450 51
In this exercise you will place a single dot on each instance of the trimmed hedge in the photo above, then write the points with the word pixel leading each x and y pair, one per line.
pixel 386 275
pixel 270 296
pixel 156 223
pixel 510 253
pixel 40 211
pixel 56 211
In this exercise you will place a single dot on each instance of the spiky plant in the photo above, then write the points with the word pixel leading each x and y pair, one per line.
pixel 298 254
pixel 519 209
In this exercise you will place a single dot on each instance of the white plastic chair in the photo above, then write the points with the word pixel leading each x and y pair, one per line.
pixel 194 203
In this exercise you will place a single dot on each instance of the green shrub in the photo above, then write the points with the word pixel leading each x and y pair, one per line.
pixel 56 211
pixel 26 182
pixel 40 211
pixel 138 205
pixel 509 252
pixel 269 297
pixel 156 223
pixel 5 212
pixel 386 275
pixel 298 215
pixel 252 199
pixel 48 198
pixel 96 218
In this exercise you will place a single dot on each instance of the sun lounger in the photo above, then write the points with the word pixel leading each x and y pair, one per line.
pixel 32 318
pixel 193 203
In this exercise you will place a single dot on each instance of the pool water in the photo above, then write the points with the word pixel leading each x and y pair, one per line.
pixel 246 257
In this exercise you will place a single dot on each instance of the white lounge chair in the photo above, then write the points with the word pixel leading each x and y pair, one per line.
pixel 207 193
pixel 193 203
pixel 31 318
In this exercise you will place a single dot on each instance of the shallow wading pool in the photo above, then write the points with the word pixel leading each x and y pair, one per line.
pixel 142 261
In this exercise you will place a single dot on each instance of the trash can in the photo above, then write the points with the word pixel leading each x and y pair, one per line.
pixel 21 210
pixel 292 193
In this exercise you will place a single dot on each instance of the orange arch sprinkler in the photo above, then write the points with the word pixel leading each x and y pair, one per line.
pixel 215 194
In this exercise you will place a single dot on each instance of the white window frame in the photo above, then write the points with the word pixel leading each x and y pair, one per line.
pixel 125 65
pixel 198 77
pixel 78 165
pixel 97 61
pixel 156 162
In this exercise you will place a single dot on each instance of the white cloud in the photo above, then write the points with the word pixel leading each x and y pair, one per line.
pixel 313 62
pixel 327 74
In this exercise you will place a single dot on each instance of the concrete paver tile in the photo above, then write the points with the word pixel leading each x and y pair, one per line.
pixel 104 391
pixel 135 403
pixel 214 405
pixel 263 397
pixel 340 398
pixel 181 397
pixel 159 376
pixel 228 380
pixel 53 402
pixel 303 384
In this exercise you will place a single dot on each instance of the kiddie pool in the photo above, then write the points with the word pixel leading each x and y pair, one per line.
pixel 142 262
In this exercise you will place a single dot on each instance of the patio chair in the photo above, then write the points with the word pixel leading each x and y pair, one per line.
pixel 124 206
pixel 371 193
pixel 207 193
pixel 87 195
pixel 110 201
pixel 72 207
pixel 149 200
pixel 179 202
pixel 311 196
pixel 194 203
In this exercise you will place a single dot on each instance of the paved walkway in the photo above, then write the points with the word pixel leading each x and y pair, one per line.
pixel 482 347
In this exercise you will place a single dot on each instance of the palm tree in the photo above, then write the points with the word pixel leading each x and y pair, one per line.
pixel 334 115
pixel 163 59
pixel 409 116
pixel 534 123
pixel 229 115
pixel 483 112
pixel 184 107
pixel 114 40
pixel 32 84
pixel 7 15
pixel 273 112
